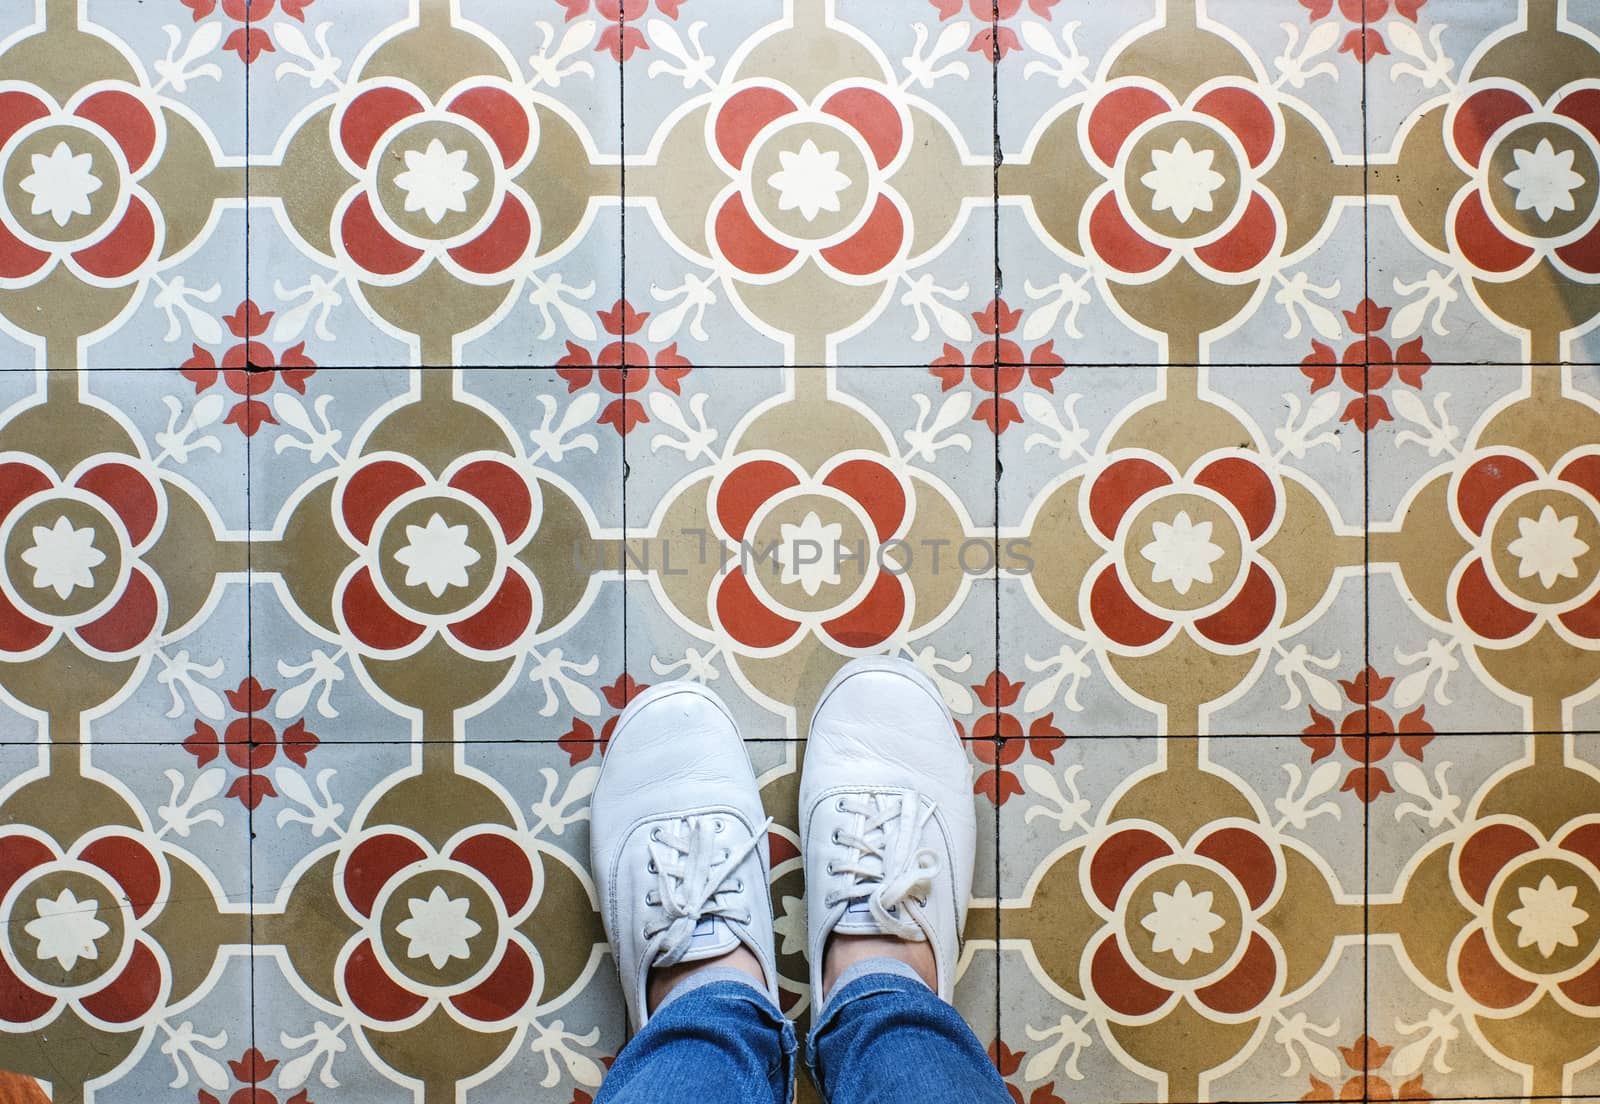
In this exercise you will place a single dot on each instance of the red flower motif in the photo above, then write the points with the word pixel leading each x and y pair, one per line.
pixel 620 37
pixel 1008 1062
pixel 106 247
pixel 391 877
pixel 1367 1056
pixel 1368 736
pixel 248 41
pixel 1227 245
pixel 251 743
pixel 994 41
pixel 108 871
pixel 1227 504
pixel 579 743
pixel 876 606
pixel 1040 366
pixel 249 368
pixel 742 233
pixel 491 126
pixel 579 368
pixel 998 739
pixel 82 537
pixel 1367 366
pixel 1516 881
pixel 439 528
pixel 1251 873
pixel 1503 228
pixel 1364 42
pixel 250 1070
pixel 1505 502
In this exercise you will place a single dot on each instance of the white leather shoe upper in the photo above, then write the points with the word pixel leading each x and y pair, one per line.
pixel 678 840
pixel 886 815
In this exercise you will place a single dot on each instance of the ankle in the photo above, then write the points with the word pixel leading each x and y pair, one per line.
pixel 664 980
pixel 844 951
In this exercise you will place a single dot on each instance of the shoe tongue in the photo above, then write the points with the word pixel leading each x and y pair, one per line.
pixel 712 938
pixel 857 919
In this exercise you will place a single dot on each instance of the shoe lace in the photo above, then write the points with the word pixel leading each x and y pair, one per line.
pixel 885 861
pixel 693 872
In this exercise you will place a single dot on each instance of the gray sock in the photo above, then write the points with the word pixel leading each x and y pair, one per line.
pixel 866 967
pixel 708 976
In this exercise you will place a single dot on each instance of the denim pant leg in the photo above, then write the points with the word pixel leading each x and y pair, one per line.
pixel 886 1039
pixel 722 1043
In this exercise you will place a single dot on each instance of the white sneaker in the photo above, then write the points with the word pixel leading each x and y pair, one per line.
pixel 678 840
pixel 886 815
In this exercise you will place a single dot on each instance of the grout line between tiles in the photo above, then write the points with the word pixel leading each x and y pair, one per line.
pixel 249 605
pixel 1071 738
pixel 1366 586
pixel 622 294
pixel 998 474
pixel 768 366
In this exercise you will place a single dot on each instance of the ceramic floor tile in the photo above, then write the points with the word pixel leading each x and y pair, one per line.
pixel 411 521
pixel 826 517
pixel 1181 180
pixel 434 183
pixel 1484 544
pixel 346 999
pixel 1180 919
pixel 1486 148
pixel 127 924
pixel 121 160
pixel 810 182
pixel 1193 542
pixel 123 596
pixel 1482 971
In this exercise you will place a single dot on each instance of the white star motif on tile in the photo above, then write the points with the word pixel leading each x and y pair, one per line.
pixel 1547 547
pixel 1182 922
pixel 1182 180
pixel 63 558
pixel 1181 553
pixel 438 928
pixel 436 180
pixel 67 929
pixel 61 183
pixel 809 553
pixel 437 555
pixel 809 180
pixel 1548 918
pixel 1544 180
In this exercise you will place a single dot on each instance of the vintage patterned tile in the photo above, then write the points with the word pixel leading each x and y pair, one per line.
pixel 123 143
pixel 436 183
pixel 349 991
pixel 1194 546
pixel 1492 550
pixel 123 563
pixel 1485 918
pixel 812 179
pixel 1486 147
pixel 1180 919
pixel 801 532
pixel 517 476
pixel 1180 185
pixel 147 978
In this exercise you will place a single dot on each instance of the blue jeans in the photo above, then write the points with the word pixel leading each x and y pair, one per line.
pixel 883 1039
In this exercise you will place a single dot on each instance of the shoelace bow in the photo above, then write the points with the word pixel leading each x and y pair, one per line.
pixel 692 873
pixel 888 866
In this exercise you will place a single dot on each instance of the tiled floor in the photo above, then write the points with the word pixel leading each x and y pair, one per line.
pixel 1205 392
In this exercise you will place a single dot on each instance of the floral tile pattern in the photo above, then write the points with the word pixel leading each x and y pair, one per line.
pixel 1204 393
